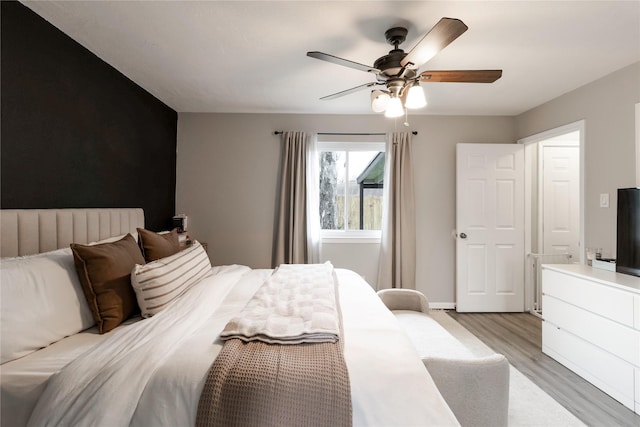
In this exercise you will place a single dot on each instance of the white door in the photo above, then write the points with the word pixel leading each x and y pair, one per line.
pixel 561 200
pixel 490 228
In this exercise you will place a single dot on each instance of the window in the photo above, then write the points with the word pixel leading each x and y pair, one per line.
pixel 351 188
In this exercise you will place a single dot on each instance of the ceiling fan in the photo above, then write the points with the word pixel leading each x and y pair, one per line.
pixel 398 71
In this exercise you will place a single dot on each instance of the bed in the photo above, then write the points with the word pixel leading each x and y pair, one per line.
pixel 155 369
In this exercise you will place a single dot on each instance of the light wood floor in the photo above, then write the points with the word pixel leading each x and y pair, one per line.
pixel 519 337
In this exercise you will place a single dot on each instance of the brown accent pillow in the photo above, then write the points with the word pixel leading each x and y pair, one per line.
pixel 104 271
pixel 155 246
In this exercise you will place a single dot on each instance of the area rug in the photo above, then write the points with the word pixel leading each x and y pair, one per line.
pixel 529 405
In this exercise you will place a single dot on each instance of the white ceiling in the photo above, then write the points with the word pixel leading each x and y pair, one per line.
pixel 250 56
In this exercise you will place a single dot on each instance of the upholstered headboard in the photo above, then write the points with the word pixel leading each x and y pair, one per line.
pixel 31 231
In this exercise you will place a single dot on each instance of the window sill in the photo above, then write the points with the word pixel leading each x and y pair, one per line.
pixel 351 237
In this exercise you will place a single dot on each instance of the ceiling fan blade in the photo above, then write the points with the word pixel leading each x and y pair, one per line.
pixel 461 76
pixel 343 62
pixel 439 37
pixel 348 91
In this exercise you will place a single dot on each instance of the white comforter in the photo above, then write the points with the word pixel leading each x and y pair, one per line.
pixel 157 381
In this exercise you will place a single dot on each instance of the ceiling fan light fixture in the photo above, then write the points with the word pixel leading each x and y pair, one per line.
pixel 394 108
pixel 399 71
pixel 415 97
pixel 379 100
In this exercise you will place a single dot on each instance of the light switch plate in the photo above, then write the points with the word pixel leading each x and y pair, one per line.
pixel 604 200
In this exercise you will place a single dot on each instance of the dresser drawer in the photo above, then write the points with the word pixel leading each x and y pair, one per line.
pixel 607 372
pixel 595 297
pixel 613 337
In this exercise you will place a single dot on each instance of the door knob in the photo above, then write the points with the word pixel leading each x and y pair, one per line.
pixel 463 236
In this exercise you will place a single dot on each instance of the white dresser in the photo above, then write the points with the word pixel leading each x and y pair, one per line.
pixel 592 326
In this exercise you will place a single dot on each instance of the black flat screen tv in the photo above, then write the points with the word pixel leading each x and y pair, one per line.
pixel 628 232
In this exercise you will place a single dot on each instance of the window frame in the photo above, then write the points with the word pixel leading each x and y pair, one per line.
pixel 351 236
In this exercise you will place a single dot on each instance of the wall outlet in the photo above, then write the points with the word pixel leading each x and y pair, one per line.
pixel 604 200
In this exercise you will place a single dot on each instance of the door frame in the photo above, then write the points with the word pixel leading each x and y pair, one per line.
pixel 531 190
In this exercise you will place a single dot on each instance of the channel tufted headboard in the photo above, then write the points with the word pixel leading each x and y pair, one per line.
pixel 31 231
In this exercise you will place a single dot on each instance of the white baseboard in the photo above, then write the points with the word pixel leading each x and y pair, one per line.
pixel 442 305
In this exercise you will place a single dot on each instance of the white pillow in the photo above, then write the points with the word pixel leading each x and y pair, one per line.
pixel 159 283
pixel 109 240
pixel 113 239
pixel 41 302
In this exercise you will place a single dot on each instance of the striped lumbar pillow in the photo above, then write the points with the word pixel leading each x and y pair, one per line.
pixel 159 283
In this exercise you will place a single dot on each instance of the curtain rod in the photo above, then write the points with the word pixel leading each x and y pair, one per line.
pixel 279 132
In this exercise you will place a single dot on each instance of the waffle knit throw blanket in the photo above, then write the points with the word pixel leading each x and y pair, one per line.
pixel 274 371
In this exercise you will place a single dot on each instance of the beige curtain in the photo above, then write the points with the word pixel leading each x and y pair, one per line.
pixel 291 230
pixel 397 264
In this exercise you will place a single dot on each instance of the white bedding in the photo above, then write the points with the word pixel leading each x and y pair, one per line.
pixel 389 383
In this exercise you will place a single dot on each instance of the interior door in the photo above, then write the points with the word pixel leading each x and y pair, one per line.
pixel 561 200
pixel 490 228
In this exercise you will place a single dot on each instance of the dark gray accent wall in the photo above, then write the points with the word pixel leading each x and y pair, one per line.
pixel 75 132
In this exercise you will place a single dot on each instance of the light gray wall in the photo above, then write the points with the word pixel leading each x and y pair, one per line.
pixel 360 257
pixel 607 106
pixel 227 172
